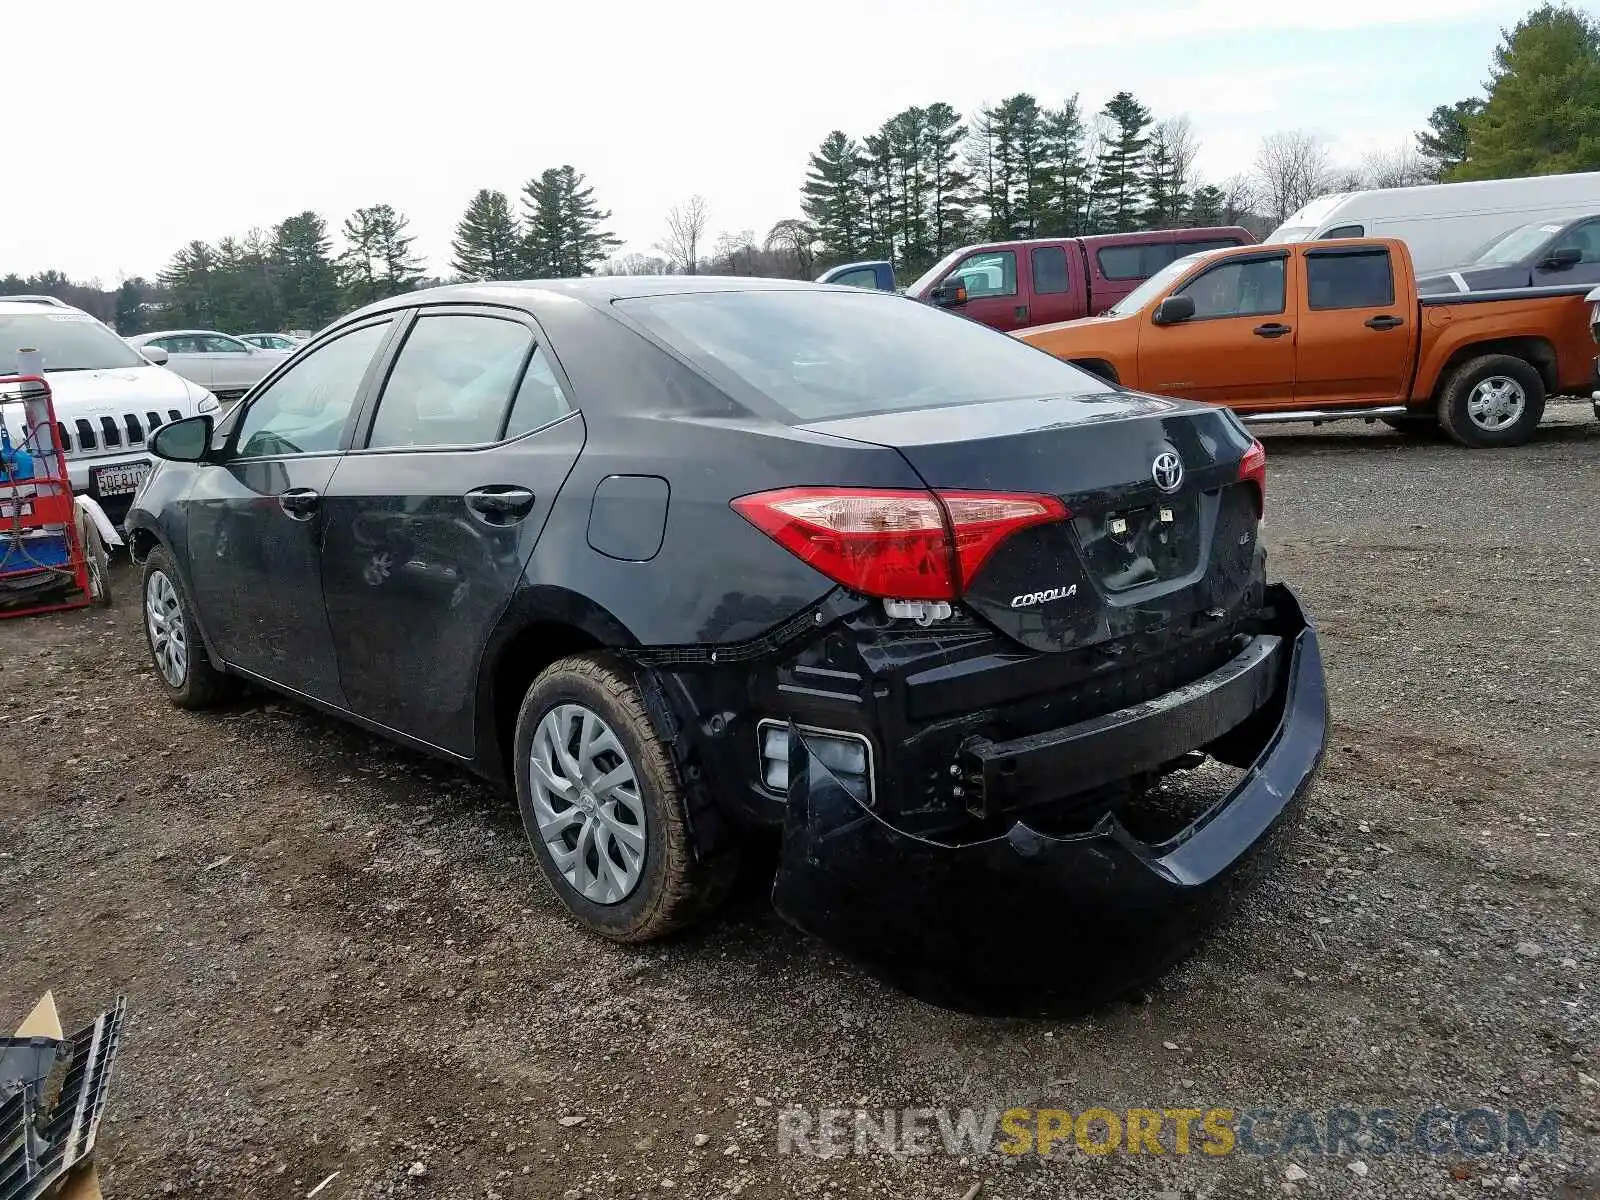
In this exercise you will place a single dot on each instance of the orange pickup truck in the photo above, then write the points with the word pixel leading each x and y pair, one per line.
pixel 1320 331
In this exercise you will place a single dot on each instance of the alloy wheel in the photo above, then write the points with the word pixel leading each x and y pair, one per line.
pixel 1496 403
pixel 586 801
pixel 169 642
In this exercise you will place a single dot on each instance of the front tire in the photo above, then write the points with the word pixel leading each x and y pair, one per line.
pixel 1492 401
pixel 603 806
pixel 183 669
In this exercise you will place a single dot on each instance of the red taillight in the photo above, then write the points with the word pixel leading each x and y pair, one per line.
pixel 1253 467
pixel 890 543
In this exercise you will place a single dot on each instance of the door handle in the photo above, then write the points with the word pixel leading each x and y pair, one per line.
pixel 500 504
pixel 1272 330
pixel 1385 322
pixel 1022 312
pixel 300 503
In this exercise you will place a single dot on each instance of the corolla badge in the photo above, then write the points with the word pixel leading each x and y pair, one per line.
pixel 1029 599
pixel 1167 471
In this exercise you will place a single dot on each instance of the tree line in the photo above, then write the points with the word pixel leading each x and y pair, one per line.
pixel 926 181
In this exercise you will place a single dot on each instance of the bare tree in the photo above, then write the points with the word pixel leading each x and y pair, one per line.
pixel 1404 166
pixel 1183 148
pixel 795 238
pixel 686 225
pixel 1239 199
pixel 1291 170
pixel 735 253
pixel 635 264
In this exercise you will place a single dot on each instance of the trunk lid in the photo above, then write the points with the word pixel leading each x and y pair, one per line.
pixel 1133 556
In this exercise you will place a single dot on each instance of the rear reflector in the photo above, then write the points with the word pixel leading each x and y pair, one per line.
pixel 1253 467
pixel 895 544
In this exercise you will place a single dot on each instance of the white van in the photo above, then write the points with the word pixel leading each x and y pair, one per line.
pixel 1444 224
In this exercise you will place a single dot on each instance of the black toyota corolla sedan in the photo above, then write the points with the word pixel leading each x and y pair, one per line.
pixel 683 559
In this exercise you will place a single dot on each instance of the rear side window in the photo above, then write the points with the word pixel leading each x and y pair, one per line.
pixel 1238 288
pixel 451 383
pixel 988 273
pixel 1364 280
pixel 1049 270
pixel 1140 261
pixel 304 410
pixel 812 355
pixel 539 397
pixel 1184 249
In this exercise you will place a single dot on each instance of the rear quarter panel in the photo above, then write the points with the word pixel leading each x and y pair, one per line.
pixel 1452 330
pixel 1110 340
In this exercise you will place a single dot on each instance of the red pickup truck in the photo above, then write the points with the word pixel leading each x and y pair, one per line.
pixel 1016 285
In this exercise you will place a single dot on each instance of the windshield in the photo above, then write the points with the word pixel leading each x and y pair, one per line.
pixel 820 355
pixel 1518 244
pixel 1141 295
pixel 1292 233
pixel 66 341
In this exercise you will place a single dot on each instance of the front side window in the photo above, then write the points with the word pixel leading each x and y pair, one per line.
pixel 215 343
pixel 1123 262
pixel 1363 280
pixel 864 278
pixel 1248 288
pixel 1343 231
pixel 304 410
pixel 451 383
pixel 1585 237
pixel 989 273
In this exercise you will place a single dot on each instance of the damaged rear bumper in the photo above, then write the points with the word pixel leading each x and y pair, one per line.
pixel 1029 922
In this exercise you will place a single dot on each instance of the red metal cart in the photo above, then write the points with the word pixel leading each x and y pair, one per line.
pixel 43 563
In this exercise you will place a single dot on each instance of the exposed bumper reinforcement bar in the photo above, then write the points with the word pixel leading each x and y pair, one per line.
pixel 1027 922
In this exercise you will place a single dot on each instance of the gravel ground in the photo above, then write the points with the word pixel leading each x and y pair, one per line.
pixel 340 959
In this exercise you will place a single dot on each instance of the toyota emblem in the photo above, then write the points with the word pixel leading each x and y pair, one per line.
pixel 1167 471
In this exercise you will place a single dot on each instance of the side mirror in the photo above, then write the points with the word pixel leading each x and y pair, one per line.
pixel 154 354
pixel 1562 259
pixel 188 440
pixel 1174 310
pixel 952 293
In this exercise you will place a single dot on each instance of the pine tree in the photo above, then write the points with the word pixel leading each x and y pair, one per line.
pixel 190 281
pixel 1121 166
pixel 488 243
pixel 308 283
pixel 1066 171
pixel 377 262
pixel 563 234
pixel 833 199
pixel 1207 205
pixel 130 300
pixel 982 162
pixel 1020 193
pixel 1543 112
pixel 948 185
pixel 1444 143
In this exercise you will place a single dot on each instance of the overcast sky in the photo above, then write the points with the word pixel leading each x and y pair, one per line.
pixel 133 128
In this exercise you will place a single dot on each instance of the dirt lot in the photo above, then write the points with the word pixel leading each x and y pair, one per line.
pixel 339 957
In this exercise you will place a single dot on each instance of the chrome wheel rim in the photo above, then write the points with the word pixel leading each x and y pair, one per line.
pixel 163 616
pixel 586 802
pixel 1496 403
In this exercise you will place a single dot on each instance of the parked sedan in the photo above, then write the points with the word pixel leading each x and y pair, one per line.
pixel 684 559
pixel 272 341
pixel 226 365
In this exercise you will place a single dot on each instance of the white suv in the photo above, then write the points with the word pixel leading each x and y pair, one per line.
pixel 108 397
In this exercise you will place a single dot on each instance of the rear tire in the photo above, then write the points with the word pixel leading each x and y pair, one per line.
pixel 604 808
pixel 1493 401
pixel 183 669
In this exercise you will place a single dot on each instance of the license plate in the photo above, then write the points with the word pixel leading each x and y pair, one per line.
pixel 121 480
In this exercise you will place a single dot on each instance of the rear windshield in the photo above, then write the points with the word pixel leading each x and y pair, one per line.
pixel 822 354
pixel 66 341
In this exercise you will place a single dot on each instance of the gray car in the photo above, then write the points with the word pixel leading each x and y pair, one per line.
pixel 226 365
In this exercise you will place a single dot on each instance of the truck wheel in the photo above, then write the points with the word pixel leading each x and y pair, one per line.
pixel 603 806
pixel 183 669
pixel 1496 400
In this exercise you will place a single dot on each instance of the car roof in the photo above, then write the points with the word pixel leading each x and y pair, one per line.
pixel 155 333
pixel 596 290
pixel 32 308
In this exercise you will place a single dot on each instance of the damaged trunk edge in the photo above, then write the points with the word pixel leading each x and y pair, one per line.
pixel 1030 922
